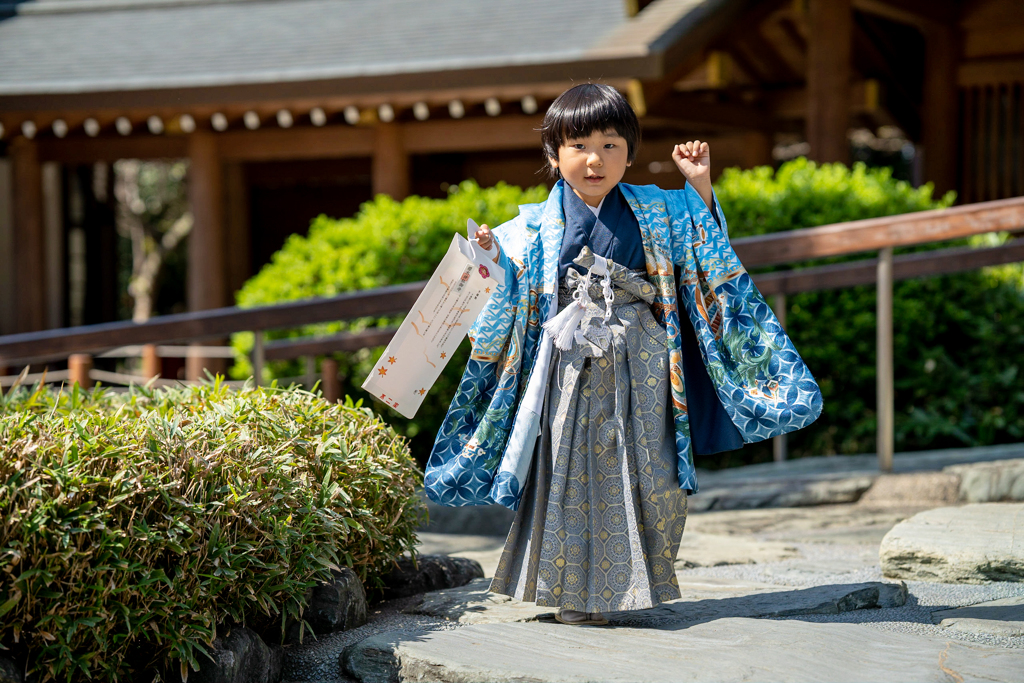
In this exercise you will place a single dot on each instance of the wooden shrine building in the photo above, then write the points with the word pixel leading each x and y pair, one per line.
pixel 287 109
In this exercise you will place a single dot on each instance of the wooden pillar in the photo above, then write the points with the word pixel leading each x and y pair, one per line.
pixel 390 162
pixel 207 276
pixel 238 228
pixel 7 276
pixel 940 129
pixel 830 30
pixel 29 254
pixel 885 390
pixel 53 242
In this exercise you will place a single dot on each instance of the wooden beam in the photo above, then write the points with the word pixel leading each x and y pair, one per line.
pixel 90 150
pixel 990 71
pixel 920 13
pixel 865 98
pixel 472 135
pixel 828 79
pixel 783 37
pixel 877 233
pixel 939 114
pixel 686 108
pixel 29 250
pixel 330 142
pixel 390 171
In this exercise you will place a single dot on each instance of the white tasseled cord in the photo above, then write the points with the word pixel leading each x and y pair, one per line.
pixel 563 327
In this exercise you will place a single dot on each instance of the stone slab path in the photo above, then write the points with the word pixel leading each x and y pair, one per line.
pixel 729 649
pixel 1003 617
pixel 473 604
pixel 977 543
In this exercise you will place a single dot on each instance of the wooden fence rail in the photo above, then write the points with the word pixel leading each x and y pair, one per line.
pixel 876 234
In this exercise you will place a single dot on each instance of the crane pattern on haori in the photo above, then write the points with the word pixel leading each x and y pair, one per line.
pixel 760 378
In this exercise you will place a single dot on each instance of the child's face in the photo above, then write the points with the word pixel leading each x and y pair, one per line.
pixel 593 165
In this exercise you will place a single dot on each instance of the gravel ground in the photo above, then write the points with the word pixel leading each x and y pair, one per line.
pixel 319 661
pixel 914 617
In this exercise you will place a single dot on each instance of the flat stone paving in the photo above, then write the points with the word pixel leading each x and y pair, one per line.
pixel 730 649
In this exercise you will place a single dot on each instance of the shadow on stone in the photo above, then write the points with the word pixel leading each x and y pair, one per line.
pixel 240 656
pixel 336 606
pixel 427 573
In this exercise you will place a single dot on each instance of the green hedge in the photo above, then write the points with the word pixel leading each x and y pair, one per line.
pixel 386 243
pixel 134 523
pixel 959 339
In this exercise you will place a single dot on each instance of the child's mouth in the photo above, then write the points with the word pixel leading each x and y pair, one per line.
pixel 594 178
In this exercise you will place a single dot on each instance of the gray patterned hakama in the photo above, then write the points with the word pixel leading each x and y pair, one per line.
pixel 602 515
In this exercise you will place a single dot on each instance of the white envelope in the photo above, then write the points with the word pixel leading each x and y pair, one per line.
pixel 436 325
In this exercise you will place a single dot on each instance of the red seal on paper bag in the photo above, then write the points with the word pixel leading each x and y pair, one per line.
pixel 484 273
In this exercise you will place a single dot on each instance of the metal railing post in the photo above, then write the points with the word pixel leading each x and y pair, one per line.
pixel 780 444
pixel 310 378
pixel 885 391
pixel 258 357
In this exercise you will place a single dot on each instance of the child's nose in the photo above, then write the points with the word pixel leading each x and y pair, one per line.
pixel 594 159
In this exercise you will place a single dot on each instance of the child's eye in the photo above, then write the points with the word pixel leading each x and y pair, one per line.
pixel 579 145
pixel 610 145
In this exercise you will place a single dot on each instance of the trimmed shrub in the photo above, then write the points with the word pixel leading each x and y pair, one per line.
pixel 386 243
pixel 134 523
pixel 959 339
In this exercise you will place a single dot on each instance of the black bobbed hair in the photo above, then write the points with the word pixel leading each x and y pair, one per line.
pixel 583 110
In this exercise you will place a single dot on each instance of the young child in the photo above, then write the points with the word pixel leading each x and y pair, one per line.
pixel 626 337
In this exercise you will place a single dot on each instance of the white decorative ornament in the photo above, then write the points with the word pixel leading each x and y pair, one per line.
pixel 386 113
pixel 91 127
pixel 60 127
pixel 421 111
pixel 155 125
pixel 251 120
pixel 529 104
pixel 492 106
pixel 186 123
pixel 284 118
pixel 219 122
pixel 351 115
pixel 123 125
pixel 28 129
pixel 456 109
pixel 317 116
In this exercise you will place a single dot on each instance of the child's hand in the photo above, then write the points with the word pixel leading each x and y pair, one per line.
pixel 694 161
pixel 483 237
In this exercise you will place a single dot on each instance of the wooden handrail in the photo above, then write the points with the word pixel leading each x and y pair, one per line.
pixel 217 322
pixel 872 234
pixel 905 267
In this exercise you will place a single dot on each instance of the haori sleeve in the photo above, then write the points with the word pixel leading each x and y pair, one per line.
pixel 472 435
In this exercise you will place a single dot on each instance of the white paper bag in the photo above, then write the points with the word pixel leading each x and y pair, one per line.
pixel 436 325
